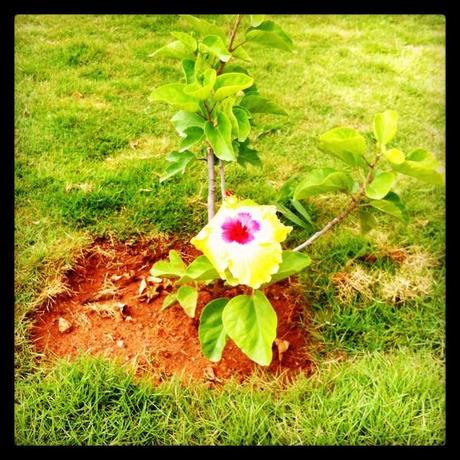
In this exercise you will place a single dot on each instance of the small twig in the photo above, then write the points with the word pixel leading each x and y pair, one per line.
pixel 355 201
pixel 222 179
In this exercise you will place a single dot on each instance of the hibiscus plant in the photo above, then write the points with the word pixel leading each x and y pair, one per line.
pixel 241 243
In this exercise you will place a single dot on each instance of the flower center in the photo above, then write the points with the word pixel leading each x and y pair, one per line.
pixel 240 228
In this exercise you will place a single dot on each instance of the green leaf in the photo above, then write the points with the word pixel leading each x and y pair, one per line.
pixel 169 300
pixel 226 107
pixel 292 263
pixel 242 54
pixel 188 67
pixel 395 156
pixel 215 46
pixel 392 205
pixel 175 49
pixel 203 27
pixel 367 221
pixel 269 34
pixel 174 94
pixel 346 144
pixel 256 19
pixel 380 186
pixel 422 165
pixel 186 39
pixel 175 267
pixel 323 180
pixel 187 297
pixel 179 162
pixel 247 156
pixel 244 127
pixel 211 329
pixel 228 84
pixel 258 104
pixel 220 138
pixel 250 322
pixel 183 120
pixel 294 218
pixel 201 269
pixel 202 86
pixel 193 136
pixel 385 126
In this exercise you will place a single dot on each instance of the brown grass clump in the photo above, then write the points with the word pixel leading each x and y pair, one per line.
pixel 413 278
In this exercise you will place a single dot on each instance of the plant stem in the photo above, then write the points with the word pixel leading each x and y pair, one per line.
pixel 232 39
pixel 355 201
pixel 222 179
pixel 211 170
pixel 211 184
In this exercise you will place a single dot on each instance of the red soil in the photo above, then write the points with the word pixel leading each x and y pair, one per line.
pixel 157 343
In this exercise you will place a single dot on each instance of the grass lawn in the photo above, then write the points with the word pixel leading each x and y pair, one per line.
pixel 90 149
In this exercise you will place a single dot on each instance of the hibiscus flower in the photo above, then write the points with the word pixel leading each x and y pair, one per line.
pixel 242 241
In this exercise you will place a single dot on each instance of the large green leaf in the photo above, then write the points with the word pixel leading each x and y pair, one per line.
pixel 292 263
pixel 187 297
pixel 323 180
pixel 242 54
pixel 193 135
pixel 179 162
pixel 244 127
pixel 175 267
pixel 174 94
pixel 380 186
pixel 201 269
pixel 211 330
pixel 256 19
pixel 175 49
pixel 247 156
pixel 385 126
pixel 183 120
pixel 186 39
pixel 215 46
pixel 226 106
pixel 392 205
pixel 422 165
pixel 220 138
pixel 269 34
pixel 258 104
pixel 344 143
pixel 250 322
pixel 367 221
pixel 202 26
pixel 188 67
pixel 202 86
pixel 395 156
pixel 228 84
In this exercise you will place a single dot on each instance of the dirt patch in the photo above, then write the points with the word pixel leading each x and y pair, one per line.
pixel 106 314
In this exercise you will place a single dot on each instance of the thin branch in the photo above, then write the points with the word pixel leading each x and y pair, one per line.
pixel 239 44
pixel 211 184
pixel 232 39
pixel 355 200
pixel 235 29
pixel 222 179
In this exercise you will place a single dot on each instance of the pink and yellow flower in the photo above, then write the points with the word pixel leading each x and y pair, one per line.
pixel 242 241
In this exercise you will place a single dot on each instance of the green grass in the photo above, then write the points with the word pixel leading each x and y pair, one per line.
pixel 89 151
pixel 376 399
